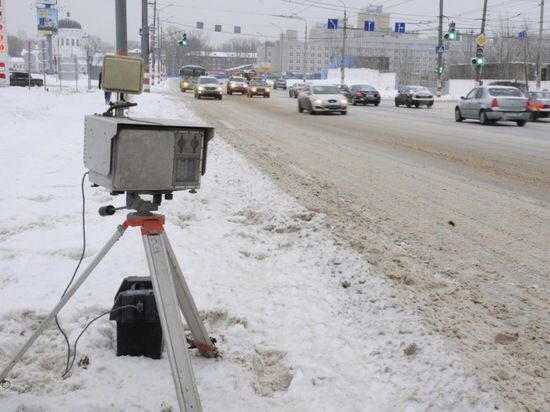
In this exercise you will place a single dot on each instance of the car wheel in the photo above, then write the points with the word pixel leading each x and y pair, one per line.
pixel 376 104
pixel 408 104
pixel 534 117
pixel 396 103
pixel 520 123
pixel 230 93
pixel 458 115
pixel 483 118
pixel 220 97
pixel 299 108
pixel 310 109
pixel 344 112
pixel 267 96
pixel 353 101
pixel 429 106
pixel 416 105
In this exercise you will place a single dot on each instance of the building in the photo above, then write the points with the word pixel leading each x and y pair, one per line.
pixel 70 44
pixel 216 61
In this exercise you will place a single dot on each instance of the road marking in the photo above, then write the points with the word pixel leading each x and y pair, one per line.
pixel 228 125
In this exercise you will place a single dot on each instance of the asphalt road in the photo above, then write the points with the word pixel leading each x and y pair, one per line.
pixel 457 215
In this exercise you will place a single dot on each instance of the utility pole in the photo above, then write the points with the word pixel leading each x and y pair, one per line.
pixel 145 45
pixel 153 41
pixel 121 30
pixel 479 67
pixel 305 50
pixel 343 63
pixel 439 47
pixel 539 45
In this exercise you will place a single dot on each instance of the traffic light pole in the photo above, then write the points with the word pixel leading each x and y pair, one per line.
pixel 440 45
pixel 479 67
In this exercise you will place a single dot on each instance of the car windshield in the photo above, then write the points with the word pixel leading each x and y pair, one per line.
pixel 540 95
pixel 208 80
pixel 324 90
pixel 494 91
pixel 418 89
pixel 258 83
pixel 364 87
pixel 237 79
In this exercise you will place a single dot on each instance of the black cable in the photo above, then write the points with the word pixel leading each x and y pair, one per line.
pixel 75 271
pixel 138 307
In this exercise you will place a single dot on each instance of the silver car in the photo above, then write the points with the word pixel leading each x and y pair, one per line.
pixel 322 98
pixel 490 104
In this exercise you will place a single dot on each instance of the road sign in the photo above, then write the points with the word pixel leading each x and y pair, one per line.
pixel 332 24
pixel 440 49
pixel 400 27
pixel 481 40
pixel 369 25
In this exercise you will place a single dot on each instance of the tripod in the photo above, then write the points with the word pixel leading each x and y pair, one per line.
pixel 171 292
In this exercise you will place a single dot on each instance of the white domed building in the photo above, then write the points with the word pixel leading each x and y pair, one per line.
pixel 70 42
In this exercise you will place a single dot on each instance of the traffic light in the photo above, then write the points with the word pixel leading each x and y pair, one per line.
pixel 479 59
pixel 439 69
pixel 183 41
pixel 451 34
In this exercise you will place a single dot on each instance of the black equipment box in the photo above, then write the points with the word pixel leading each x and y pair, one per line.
pixel 139 332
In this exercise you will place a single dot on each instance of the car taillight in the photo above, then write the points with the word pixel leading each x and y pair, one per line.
pixel 376 94
pixel 358 94
pixel 494 103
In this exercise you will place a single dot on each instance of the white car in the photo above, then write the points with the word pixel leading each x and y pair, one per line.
pixel 322 98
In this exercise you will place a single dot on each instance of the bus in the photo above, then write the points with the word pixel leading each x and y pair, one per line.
pixel 189 75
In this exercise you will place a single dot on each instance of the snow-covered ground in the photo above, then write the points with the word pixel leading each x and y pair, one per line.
pixel 303 322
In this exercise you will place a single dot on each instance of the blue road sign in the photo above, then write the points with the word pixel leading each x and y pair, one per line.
pixel 400 27
pixel 369 25
pixel 440 49
pixel 522 35
pixel 332 24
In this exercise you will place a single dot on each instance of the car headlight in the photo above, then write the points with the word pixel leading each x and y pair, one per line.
pixel 344 101
pixel 253 89
pixel 318 101
pixel 267 90
pixel 185 84
pixel 201 88
pixel 232 85
pixel 245 86
pixel 219 89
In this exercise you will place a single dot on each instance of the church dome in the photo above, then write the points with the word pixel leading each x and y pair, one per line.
pixel 68 24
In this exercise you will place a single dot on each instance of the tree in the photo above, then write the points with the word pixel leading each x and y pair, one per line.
pixel 15 46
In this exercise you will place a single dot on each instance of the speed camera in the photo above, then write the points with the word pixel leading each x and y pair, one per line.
pixel 145 155
pixel 122 74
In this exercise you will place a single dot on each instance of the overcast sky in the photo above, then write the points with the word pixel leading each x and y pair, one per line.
pixel 256 17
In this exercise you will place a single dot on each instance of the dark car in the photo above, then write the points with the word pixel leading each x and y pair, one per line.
pixel 258 88
pixel 414 96
pixel 364 94
pixel 279 84
pixel 538 104
pixel 23 79
pixel 208 86
pixel 343 89
pixel 236 84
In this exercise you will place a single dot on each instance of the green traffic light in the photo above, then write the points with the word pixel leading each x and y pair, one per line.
pixel 439 69
pixel 452 36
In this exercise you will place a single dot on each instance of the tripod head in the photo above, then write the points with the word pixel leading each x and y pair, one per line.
pixel 135 202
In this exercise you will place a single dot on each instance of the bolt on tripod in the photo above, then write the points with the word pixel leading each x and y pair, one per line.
pixel 172 296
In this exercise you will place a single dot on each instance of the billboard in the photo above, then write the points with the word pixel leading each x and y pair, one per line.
pixel 47 20
pixel 46 2
pixel 4 67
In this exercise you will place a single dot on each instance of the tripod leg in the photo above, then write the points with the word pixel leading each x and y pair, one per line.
pixel 172 326
pixel 188 307
pixel 66 297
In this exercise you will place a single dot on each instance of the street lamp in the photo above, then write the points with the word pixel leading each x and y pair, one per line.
pixel 296 17
pixel 342 63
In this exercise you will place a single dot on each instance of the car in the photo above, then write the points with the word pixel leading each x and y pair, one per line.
pixel 343 89
pixel 538 104
pixel 414 96
pixel 364 94
pixel 295 89
pixel 279 84
pixel 237 84
pixel 490 104
pixel 258 88
pixel 208 86
pixel 23 79
pixel 322 98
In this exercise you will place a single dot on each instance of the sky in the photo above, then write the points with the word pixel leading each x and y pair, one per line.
pixel 256 17
pixel 303 322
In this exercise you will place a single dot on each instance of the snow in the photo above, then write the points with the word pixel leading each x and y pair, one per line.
pixel 303 322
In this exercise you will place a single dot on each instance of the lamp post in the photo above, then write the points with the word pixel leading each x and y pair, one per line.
pixel 156 39
pixel 344 35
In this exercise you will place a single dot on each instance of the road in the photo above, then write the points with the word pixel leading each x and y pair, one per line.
pixel 457 215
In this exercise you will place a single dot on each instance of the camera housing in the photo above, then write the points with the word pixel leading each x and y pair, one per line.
pixel 147 156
